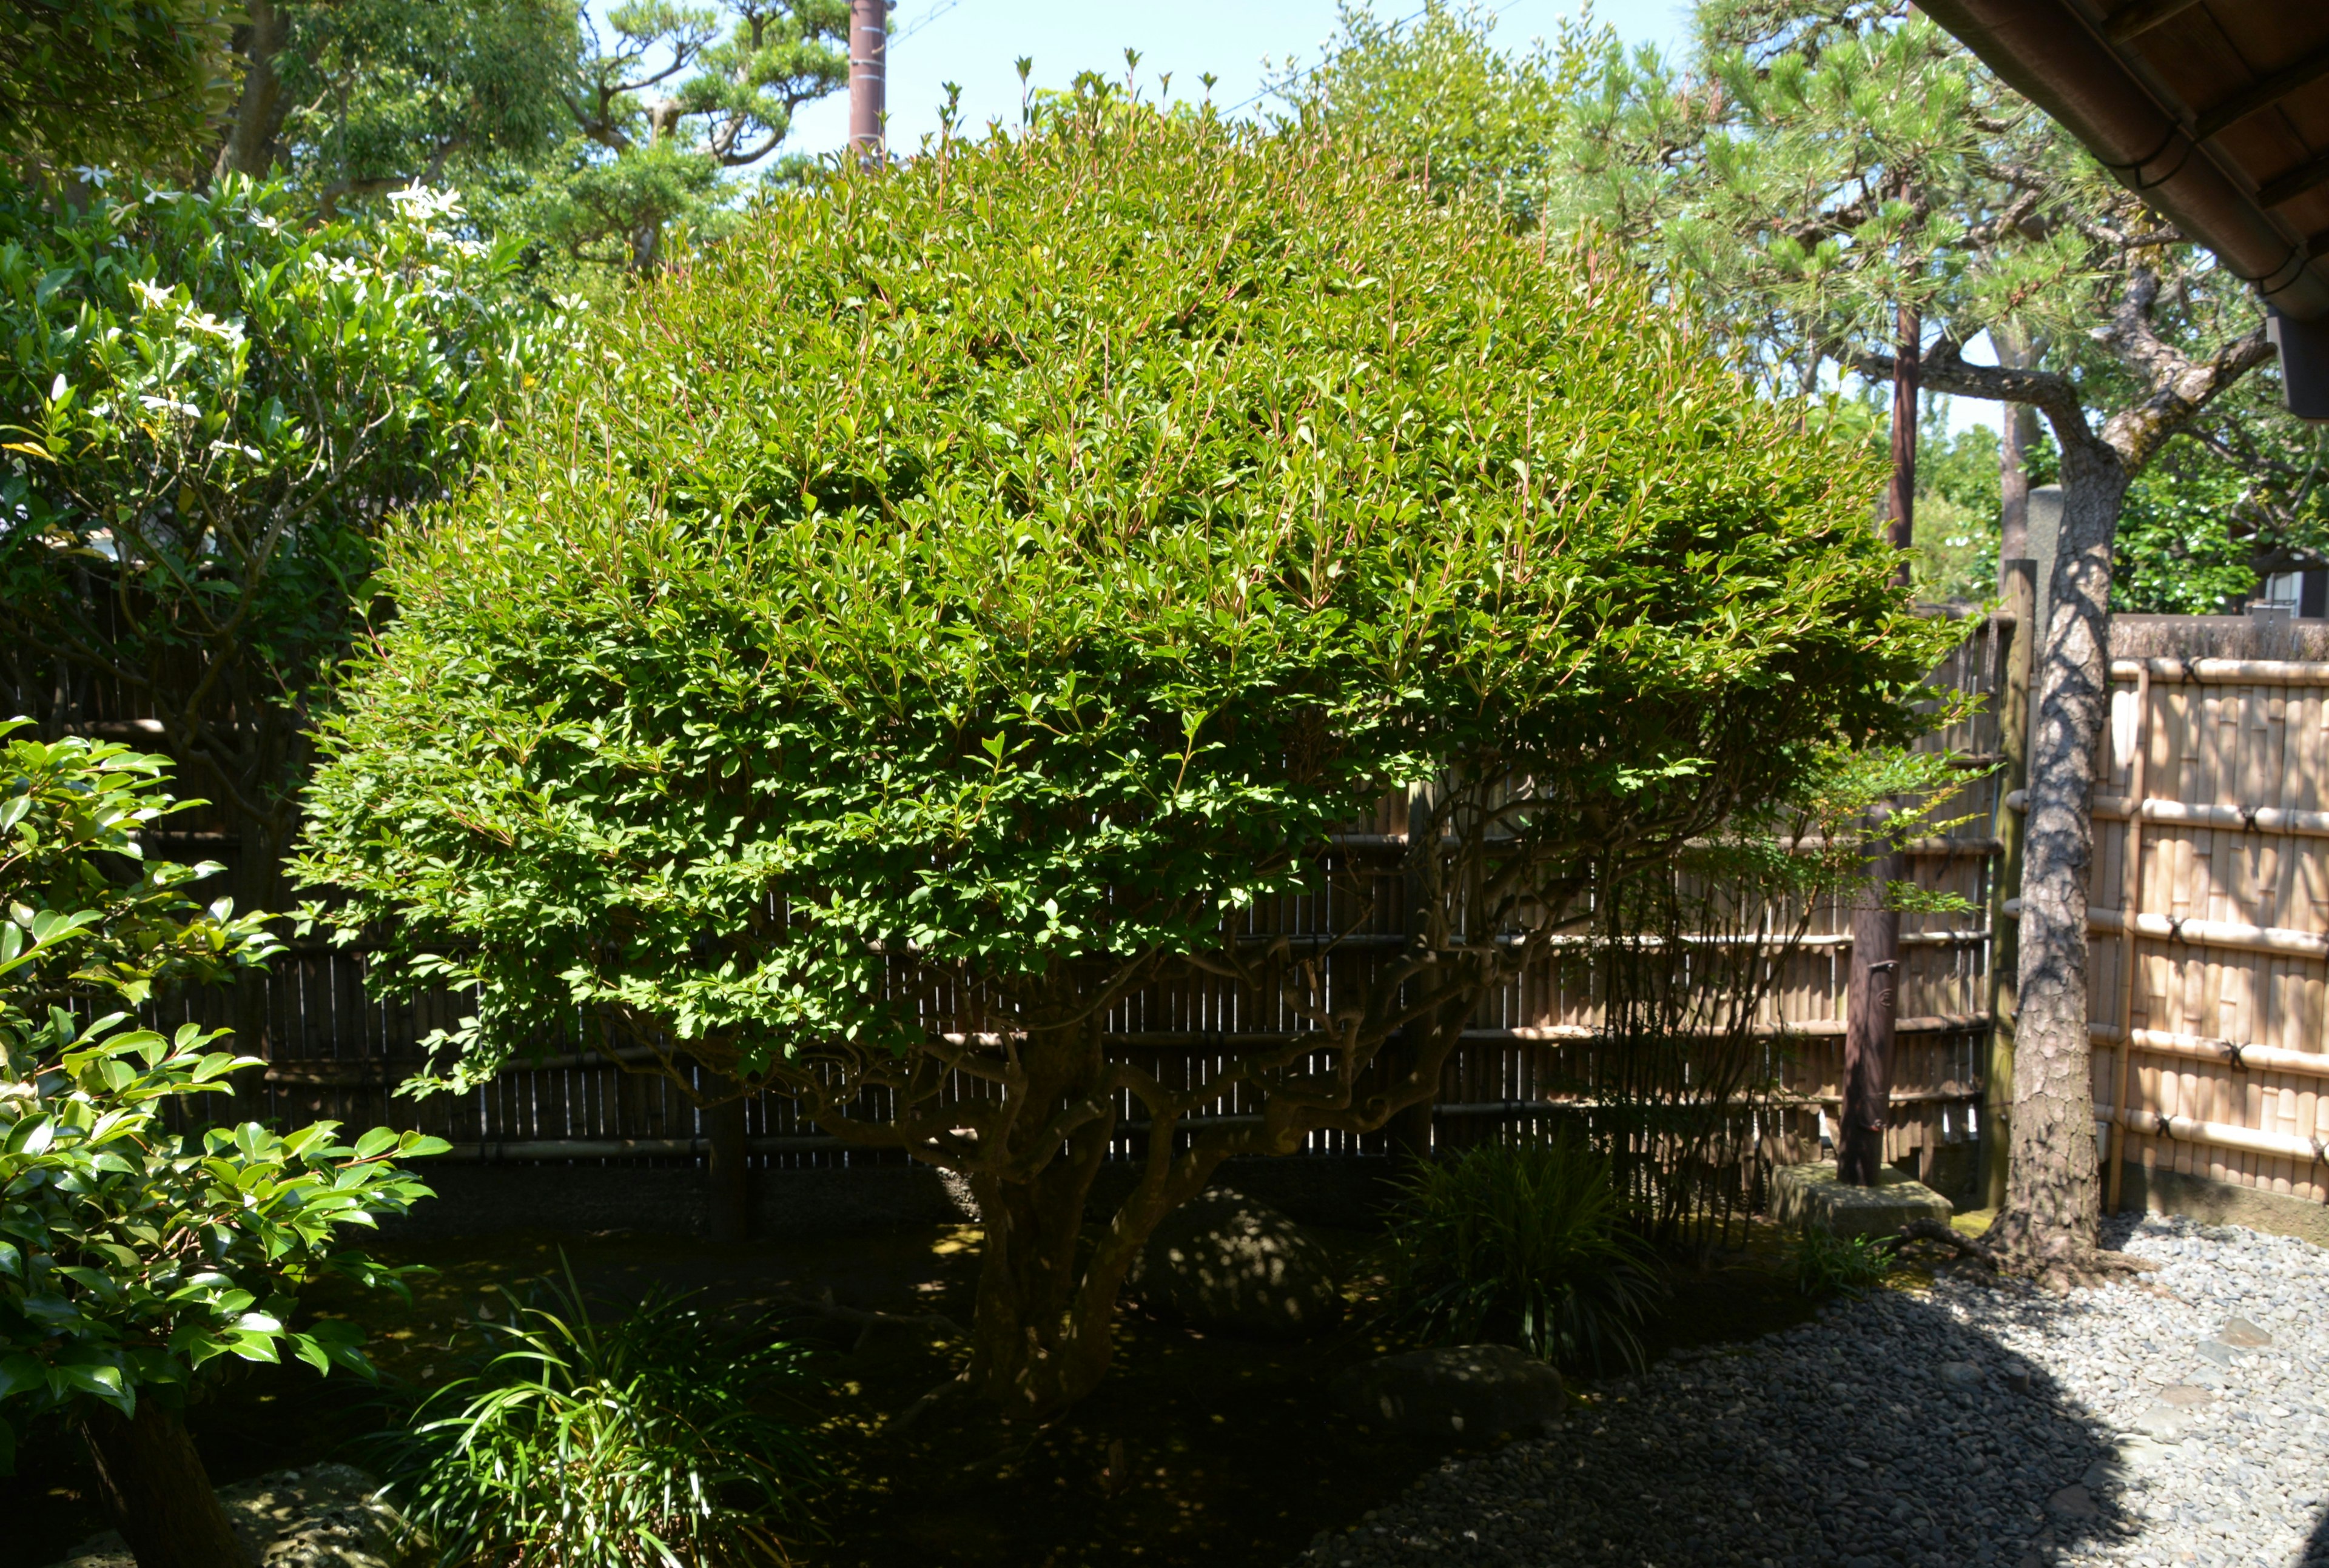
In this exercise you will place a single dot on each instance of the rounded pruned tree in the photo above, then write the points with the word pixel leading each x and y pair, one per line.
pixel 974 593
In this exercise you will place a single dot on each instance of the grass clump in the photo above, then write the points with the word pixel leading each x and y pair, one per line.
pixel 1525 1242
pixel 653 1440
pixel 1828 1265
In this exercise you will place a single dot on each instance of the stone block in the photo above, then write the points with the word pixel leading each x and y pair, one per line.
pixel 1810 1197
pixel 327 1516
pixel 1222 1261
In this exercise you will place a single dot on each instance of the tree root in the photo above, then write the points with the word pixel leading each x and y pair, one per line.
pixel 916 1410
pixel 2091 1268
pixel 1968 1249
pixel 937 1325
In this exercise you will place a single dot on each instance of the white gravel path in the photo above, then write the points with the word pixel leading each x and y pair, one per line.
pixel 2183 1421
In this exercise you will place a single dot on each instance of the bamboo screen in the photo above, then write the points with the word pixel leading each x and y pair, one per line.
pixel 2208 906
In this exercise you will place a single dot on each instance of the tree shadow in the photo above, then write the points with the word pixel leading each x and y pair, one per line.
pixel 1888 1432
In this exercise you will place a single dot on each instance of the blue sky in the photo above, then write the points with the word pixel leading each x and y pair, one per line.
pixel 974 43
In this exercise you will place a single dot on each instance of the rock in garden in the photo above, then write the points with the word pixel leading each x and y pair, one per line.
pixel 322 1516
pixel 1470 1391
pixel 1224 1261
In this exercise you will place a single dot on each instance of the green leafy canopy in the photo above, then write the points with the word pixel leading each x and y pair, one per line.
pixel 1022 558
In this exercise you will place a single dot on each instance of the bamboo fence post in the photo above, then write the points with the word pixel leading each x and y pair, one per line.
pixel 2130 901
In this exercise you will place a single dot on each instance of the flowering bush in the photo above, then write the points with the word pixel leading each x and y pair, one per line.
pixel 207 407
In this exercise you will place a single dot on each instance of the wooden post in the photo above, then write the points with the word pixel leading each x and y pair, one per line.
pixel 1869 1006
pixel 1874 986
pixel 2020 583
pixel 2130 904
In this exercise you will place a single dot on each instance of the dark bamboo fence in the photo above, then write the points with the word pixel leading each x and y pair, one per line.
pixel 1536 1052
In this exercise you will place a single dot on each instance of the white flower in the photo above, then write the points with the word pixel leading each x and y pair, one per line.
pixel 422 202
pixel 166 404
pixel 154 196
pixel 229 333
pixel 89 175
pixel 58 388
pixel 155 297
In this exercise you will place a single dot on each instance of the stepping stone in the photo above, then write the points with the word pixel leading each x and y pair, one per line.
pixel 2242 1335
pixel 2072 1503
pixel 1809 1196
pixel 1962 1374
pixel 2186 1397
pixel 2217 1351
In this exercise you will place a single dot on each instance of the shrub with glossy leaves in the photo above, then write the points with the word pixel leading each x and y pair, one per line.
pixel 207 403
pixel 131 1254
pixel 1014 559
pixel 991 579
pixel 72 861
pixel 134 1253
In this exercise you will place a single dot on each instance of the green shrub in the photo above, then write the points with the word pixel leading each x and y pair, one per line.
pixel 982 586
pixel 70 815
pixel 1525 1242
pixel 132 1256
pixel 137 1259
pixel 1827 1263
pixel 649 1440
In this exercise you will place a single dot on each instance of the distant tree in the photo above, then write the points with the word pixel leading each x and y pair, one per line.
pixel 1014 569
pixel 590 137
pixel 672 103
pixel 382 94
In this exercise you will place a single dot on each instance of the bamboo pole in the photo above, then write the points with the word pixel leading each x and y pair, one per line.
pixel 2272 820
pixel 2130 897
pixel 2217 1135
pixel 2233 1054
pixel 2224 672
pixel 2279 939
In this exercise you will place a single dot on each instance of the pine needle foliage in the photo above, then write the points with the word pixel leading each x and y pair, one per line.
pixel 979 586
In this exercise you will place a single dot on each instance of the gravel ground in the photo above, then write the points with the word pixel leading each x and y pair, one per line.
pixel 2182 1421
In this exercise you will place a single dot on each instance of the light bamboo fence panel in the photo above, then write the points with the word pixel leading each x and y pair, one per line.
pixel 2210 909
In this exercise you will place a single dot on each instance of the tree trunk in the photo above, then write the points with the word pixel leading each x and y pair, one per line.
pixel 249 144
pixel 158 1492
pixel 2053 1201
pixel 1029 1351
pixel 727 1167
